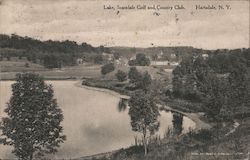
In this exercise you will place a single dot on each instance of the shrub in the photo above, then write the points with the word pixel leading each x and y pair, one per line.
pixel 107 68
pixel 27 65
pixel 121 76
pixel 141 60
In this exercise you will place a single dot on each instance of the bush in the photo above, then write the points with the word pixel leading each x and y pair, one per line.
pixel 141 60
pixel 134 75
pixel 27 65
pixel 98 59
pixel 107 68
pixel 121 76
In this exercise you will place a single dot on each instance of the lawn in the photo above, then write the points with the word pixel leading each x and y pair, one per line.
pixel 10 68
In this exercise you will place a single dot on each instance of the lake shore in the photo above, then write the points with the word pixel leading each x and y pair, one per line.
pixel 195 117
pixel 108 91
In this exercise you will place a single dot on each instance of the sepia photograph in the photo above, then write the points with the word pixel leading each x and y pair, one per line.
pixel 124 80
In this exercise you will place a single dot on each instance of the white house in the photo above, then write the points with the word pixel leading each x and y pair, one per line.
pixel 205 56
pixel 107 56
pixel 159 63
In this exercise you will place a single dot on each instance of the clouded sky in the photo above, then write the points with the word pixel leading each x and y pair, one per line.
pixel 87 21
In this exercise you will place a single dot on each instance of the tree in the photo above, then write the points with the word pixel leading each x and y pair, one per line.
pixel 145 82
pixel 121 76
pixel 107 68
pixel 50 61
pixel 144 115
pixel 33 119
pixel 141 60
pixel 116 55
pixel 98 59
pixel 26 65
pixel 133 75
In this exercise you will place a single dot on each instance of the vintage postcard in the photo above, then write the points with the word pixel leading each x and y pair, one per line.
pixel 125 79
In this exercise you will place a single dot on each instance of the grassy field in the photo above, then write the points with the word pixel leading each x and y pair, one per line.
pixel 20 66
pixel 10 68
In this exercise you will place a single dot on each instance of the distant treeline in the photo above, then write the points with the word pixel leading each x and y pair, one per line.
pixel 51 54
pixel 220 81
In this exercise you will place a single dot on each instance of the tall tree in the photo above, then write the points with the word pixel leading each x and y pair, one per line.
pixel 145 82
pixel 144 115
pixel 133 75
pixel 121 75
pixel 33 122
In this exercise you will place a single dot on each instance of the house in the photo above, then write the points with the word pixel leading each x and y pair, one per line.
pixel 160 56
pixel 108 56
pixel 205 56
pixel 174 63
pixel 121 61
pixel 173 56
pixel 159 63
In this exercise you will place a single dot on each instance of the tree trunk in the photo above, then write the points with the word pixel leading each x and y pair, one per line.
pixel 145 141
pixel 31 156
pixel 135 140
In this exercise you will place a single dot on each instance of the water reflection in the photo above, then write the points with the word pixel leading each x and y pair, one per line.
pixel 122 105
pixel 177 123
pixel 92 121
pixel 177 119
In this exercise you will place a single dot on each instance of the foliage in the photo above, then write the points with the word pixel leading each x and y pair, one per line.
pixel 133 75
pixel 107 68
pixel 26 65
pixel 144 115
pixel 121 76
pixel 145 82
pixel 141 60
pixel 221 82
pixel 51 61
pixel 64 52
pixel 139 80
pixel 32 125
pixel 98 59
pixel 126 153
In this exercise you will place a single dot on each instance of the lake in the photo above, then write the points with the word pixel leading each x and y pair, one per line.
pixel 92 121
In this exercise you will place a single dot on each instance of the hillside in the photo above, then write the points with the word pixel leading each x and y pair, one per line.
pixel 51 54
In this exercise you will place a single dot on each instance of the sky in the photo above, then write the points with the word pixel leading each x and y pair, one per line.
pixel 88 21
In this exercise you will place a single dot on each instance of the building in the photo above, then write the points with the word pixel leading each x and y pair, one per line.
pixel 108 56
pixel 205 56
pixel 159 63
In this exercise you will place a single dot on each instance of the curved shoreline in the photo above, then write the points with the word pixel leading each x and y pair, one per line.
pixel 195 117
pixel 108 91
